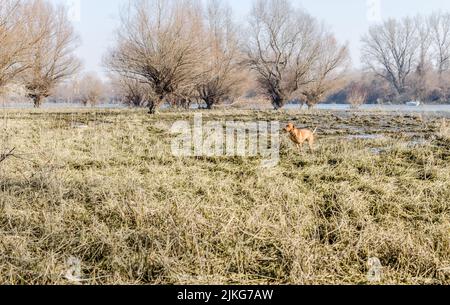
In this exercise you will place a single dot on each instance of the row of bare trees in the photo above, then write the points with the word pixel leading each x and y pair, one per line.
pixel 412 55
pixel 174 51
pixel 86 89
pixel 191 51
pixel 178 51
pixel 37 44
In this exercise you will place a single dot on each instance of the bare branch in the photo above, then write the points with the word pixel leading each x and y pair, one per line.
pixel 7 154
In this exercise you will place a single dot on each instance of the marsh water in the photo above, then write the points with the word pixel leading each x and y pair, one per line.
pixel 331 107
pixel 387 108
pixel 23 105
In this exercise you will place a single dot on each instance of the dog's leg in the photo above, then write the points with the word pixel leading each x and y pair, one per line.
pixel 311 144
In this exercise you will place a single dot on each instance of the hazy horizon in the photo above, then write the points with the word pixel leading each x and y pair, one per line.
pixel 96 21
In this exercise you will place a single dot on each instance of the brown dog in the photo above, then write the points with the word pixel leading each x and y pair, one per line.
pixel 300 136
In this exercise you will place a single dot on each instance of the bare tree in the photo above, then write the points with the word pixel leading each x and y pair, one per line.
pixel 390 51
pixel 132 92
pixel 421 76
pixel 357 94
pixel 5 155
pixel 327 71
pixel 282 46
pixel 68 90
pixel 222 73
pixel 91 89
pixel 439 24
pixel 159 43
pixel 14 41
pixel 51 58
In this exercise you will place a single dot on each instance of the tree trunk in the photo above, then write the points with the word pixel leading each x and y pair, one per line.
pixel 277 102
pixel 152 108
pixel 187 104
pixel 312 103
pixel 37 100
pixel 209 103
pixel 153 105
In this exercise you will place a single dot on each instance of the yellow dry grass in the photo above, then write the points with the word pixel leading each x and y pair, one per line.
pixel 112 195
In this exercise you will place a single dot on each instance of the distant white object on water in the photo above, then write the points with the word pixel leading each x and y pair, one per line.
pixel 414 103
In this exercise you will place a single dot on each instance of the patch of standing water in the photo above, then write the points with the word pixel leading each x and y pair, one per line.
pixel 414 143
pixel 388 108
pixel 365 137
pixel 79 126
pixel 378 150
pixel 417 143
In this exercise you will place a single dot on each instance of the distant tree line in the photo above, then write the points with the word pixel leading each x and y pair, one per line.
pixel 412 55
pixel 180 52
pixel 404 60
pixel 185 52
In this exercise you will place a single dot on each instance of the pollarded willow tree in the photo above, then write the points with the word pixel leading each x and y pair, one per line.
pixel 328 70
pixel 51 57
pixel 131 91
pixel 13 51
pixel 357 94
pixel 90 89
pixel 287 49
pixel 222 74
pixel 160 45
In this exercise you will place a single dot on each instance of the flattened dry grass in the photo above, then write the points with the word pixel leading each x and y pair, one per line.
pixel 113 196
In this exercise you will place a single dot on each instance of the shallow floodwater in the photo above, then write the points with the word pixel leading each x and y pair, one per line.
pixel 60 106
pixel 388 108
pixel 332 107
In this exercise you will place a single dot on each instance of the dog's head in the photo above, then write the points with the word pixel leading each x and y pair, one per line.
pixel 290 127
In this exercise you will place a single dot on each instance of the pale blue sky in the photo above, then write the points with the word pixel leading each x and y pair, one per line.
pixel 349 19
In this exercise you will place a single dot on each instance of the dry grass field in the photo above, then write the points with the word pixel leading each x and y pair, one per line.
pixel 103 187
